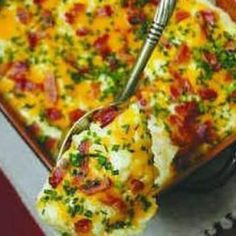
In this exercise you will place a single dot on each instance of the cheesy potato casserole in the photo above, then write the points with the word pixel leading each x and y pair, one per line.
pixel 62 58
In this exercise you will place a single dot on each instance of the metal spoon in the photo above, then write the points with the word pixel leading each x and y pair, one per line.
pixel 162 15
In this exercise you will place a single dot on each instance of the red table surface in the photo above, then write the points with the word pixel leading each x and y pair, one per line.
pixel 15 220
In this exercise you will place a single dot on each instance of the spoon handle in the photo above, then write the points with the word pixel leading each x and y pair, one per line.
pixel 162 15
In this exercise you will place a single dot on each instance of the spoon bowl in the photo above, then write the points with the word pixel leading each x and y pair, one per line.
pixel 160 21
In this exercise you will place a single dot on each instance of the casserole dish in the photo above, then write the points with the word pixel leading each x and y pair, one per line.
pixel 58 62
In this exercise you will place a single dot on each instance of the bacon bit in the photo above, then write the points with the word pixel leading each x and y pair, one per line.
pixel 142 101
pixel 207 20
pixel 205 132
pixel 53 114
pixel 25 85
pixel 187 108
pixel 50 143
pixel 50 88
pixel 105 11
pixel 18 70
pixel 181 15
pixel 208 16
pixel 207 94
pixel 83 31
pixel 33 39
pixel 175 120
pixel 136 17
pixel 72 14
pixel 38 2
pixel 56 177
pixel 95 186
pixel 106 115
pixel 34 129
pixel 47 19
pixel 183 54
pixel 23 15
pixel 75 115
pixel 78 7
pixel 180 85
pixel 83 226
pixel 101 45
pixel 212 60
pixel 84 147
pixel 188 111
pixel 70 18
pixel 115 202
pixel 136 185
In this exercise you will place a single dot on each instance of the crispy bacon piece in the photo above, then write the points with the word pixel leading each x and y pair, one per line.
pixel 73 13
pixel 24 84
pixel 141 99
pixel 82 31
pixel 182 124
pixel 205 132
pixel 136 185
pixel 180 85
pixel 207 19
pixel 106 115
pixel 84 147
pixel 188 110
pixel 75 115
pixel 115 202
pixel 18 70
pixel 208 16
pixel 102 46
pixel 23 15
pixel 183 54
pixel 207 94
pixel 47 19
pixel 50 88
pixel 181 15
pixel 34 129
pixel 56 177
pixel 83 226
pixel 105 11
pixel 212 60
pixel 50 143
pixel 95 186
pixel 53 114
pixel 33 39
pixel 229 6
pixel 38 2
